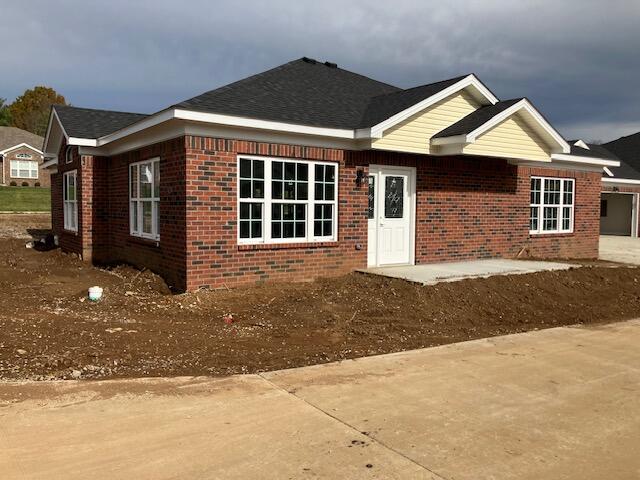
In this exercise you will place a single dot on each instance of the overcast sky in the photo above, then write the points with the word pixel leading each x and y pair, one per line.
pixel 576 60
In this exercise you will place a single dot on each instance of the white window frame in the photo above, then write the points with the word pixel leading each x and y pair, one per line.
pixel 136 202
pixel 267 202
pixel 16 166
pixel 561 206
pixel 70 206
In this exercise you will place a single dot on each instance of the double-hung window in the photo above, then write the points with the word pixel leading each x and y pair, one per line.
pixel 551 205
pixel 144 199
pixel 70 200
pixel 24 169
pixel 285 201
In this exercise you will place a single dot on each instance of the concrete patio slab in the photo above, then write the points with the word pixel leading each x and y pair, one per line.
pixel 432 273
pixel 620 249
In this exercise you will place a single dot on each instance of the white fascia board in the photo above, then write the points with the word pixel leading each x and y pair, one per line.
pixel 20 146
pixel 585 160
pixel 469 80
pixel 140 125
pixel 522 104
pixel 581 144
pixel 225 120
pixel 82 142
pixel 607 171
pixel 622 181
pixel 234 121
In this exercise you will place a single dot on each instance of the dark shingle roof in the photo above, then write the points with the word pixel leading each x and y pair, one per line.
pixel 91 123
pixel 382 107
pixel 627 150
pixel 594 150
pixel 12 136
pixel 476 119
pixel 303 92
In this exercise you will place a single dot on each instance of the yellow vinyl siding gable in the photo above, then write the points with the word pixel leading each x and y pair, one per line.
pixel 512 138
pixel 414 134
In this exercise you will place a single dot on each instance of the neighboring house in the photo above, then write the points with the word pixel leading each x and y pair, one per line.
pixel 621 188
pixel 21 158
pixel 309 170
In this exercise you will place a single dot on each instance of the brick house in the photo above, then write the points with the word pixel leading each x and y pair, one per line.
pixel 309 170
pixel 619 205
pixel 21 158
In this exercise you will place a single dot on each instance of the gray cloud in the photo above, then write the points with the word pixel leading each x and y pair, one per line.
pixel 576 59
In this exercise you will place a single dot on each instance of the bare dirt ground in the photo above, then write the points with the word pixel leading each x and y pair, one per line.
pixel 49 330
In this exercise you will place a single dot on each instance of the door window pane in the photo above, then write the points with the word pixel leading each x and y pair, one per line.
pixel 394 197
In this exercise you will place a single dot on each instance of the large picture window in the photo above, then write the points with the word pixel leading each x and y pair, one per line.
pixel 551 205
pixel 282 200
pixel 70 200
pixel 144 199
pixel 24 169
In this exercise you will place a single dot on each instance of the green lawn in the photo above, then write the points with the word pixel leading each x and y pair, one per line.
pixel 25 199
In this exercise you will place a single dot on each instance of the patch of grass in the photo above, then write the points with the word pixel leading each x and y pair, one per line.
pixel 25 199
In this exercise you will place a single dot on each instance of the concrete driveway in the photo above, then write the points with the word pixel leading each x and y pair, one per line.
pixel 560 403
pixel 620 249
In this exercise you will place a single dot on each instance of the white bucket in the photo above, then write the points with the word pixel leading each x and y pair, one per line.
pixel 95 293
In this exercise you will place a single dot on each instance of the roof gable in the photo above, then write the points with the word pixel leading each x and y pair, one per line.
pixel 12 136
pixel 92 123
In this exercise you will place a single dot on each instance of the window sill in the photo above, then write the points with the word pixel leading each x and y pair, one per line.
pixel 283 246
pixel 551 234
pixel 70 232
pixel 147 242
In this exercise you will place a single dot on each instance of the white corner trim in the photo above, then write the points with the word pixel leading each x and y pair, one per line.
pixel 607 171
pixel 469 80
pixel 625 181
pixel 585 160
pixel 522 104
pixel 20 145
pixel 581 144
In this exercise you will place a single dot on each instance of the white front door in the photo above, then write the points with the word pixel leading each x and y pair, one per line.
pixel 391 215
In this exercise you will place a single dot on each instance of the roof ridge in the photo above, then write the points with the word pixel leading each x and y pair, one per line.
pixel 421 86
pixel 624 137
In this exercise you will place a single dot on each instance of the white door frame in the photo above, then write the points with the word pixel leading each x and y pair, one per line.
pixel 635 206
pixel 376 170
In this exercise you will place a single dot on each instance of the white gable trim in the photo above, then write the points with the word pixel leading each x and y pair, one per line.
pixel 20 145
pixel 607 171
pixel 469 81
pixel 502 116
pixel 581 144
pixel 53 116
pixel 516 107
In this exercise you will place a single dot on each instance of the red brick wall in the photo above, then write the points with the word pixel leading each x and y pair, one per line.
pixel 583 242
pixel 215 259
pixel 166 257
pixel 69 241
pixel 467 207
